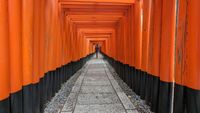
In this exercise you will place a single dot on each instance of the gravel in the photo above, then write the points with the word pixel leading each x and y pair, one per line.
pixel 58 101
pixel 140 104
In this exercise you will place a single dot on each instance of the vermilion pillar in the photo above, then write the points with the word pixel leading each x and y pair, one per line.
pixel 154 53
pixel 27 50
pixel 191 57
pixel 36 55
pixel 132 29
pixel 147 6
pixel 187 87
pixel 138 33
pixel 4 58
pixel 15 39
pixel 145 80
pixel 167 55
pixel 179 105
pixel 138 19
pixel 42 39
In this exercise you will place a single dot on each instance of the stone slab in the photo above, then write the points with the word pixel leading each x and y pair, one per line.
pixel 65 112
pixel 97 89
pixel 70 103
pixel 100 73
pixel 95 92
pixel 100 82
pixel 88 99
pixel 79 80
pixel 95 78
pixel 76 89
pixel 110 75
pixel 125 101
pixel 107 108
pixel 132 111
pixel 116 86
pixel 96 70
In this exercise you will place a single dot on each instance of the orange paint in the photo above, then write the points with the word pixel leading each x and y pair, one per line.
pixel 27 41
pixel 191 51
pixel 132 46
pixel 168 41
pixel 147 4
pixel 42 40
pixel 138 34
pixel 109 1
pixel 15 42
pixel 180 43
pixel 4 49
pixel 36 38
pixel 155 38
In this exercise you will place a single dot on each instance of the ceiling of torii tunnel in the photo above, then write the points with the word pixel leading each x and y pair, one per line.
pixel 97 19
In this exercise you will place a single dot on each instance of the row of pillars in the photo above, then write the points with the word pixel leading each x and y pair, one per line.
pixel 161 38
pixel 35 39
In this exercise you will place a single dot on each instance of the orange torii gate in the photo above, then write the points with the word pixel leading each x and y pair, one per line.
pixel 152 44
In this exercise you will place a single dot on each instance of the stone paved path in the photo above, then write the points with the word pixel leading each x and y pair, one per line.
pixel 96 91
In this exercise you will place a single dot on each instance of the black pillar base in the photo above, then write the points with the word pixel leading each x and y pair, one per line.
pixel 5 106
pixel 16 102
pixel 165 97
pixel 192 100
pixel 28 99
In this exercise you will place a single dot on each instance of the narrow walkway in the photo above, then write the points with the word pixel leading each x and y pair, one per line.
pixel 96 91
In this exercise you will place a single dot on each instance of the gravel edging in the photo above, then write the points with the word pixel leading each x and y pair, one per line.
pixel 140 104
pixel 57 102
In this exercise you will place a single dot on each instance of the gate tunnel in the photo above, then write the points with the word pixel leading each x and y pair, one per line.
pixel 152 44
